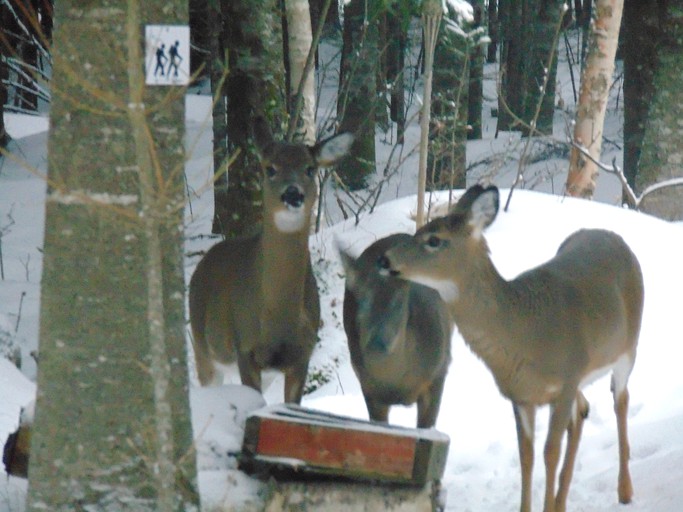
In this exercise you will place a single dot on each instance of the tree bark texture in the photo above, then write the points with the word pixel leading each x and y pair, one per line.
pixel 218 73
pixel 357 98
pixel 596 81
pixel 300 37
pixel 510 97
pixel 662 153
pixel 104 423
pixel 544 18
pixel 255 84
pixel 642 33
pixel 397 21
pixel 475 95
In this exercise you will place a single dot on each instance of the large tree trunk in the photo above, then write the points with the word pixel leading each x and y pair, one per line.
pixel 596 81
pixel 642 33
pixel 510 97
pixel 545 19
pixel 357 100
pixel 662 153
pixel 112 424
pixel 255 84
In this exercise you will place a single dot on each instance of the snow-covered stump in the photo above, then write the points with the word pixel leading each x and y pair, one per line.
pixel 352 497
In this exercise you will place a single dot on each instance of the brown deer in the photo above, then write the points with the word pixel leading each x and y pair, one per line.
pixel 255 298
pixel 545 334
pixel 399 336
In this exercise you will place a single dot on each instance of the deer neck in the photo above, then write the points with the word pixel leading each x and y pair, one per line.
pixel 285 260
pixel 486 317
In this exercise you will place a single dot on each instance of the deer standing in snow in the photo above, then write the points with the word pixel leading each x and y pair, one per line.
pixel 545 334
pixel 256 297
pixel 399 336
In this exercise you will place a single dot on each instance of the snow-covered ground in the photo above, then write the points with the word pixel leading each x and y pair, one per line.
pixel 482 472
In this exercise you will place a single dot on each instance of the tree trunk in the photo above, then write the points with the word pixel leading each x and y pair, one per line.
pixel 4 75
pixel 662 153
pixel 447 162
pixel 596 81
pixel 545 20
pixel 431 22
pixel 218 73
pixel 510 98
pixel 642 33
pixel 201 12
pixel 357 100
pixel 255 84
pixel 112 424
pixel 494 31
pixel 300 39
pixel 397 21
pixel 475 93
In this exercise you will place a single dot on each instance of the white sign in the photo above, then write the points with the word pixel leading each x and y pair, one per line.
pixel 167 54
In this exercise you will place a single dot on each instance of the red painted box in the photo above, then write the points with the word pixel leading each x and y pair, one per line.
pixel 292 439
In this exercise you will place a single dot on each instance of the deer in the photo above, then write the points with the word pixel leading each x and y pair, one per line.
pixel 255 298
pixel 545 334
pixel 399 336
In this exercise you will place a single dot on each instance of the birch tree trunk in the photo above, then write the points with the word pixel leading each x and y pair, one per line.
pixel 300 37
pixel 112 426
pixel 595 85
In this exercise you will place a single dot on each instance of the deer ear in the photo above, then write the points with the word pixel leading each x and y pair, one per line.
pixel 263 137
pixel 483 210
pixel 349 264
pixel 466 200
pixel 331 150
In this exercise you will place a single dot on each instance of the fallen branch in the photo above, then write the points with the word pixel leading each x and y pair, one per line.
pixel 632 200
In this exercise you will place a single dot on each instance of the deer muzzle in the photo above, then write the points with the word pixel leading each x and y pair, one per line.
pixel 293 197
pixel 384 266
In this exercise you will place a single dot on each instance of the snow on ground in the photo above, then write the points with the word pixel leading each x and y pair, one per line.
pixel 482 472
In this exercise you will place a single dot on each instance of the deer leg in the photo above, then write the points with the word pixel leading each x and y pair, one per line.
pixel 250 372
pixel 429 402
pixel 625 488
pixel 525 419
pixel 579 414
pixel 295 380
pixel 376 410
pixel 560 415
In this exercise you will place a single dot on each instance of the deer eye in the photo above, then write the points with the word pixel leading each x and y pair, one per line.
pixel 310 171
pixel 271 171
pixel 433 242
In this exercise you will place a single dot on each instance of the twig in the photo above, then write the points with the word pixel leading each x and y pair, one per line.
pixel 21 303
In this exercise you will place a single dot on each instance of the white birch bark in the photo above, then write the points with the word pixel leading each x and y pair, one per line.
pixel 595 85
pixel 300 38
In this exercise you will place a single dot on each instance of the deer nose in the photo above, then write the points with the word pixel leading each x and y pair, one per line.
pixel 293 196
pixel 384 266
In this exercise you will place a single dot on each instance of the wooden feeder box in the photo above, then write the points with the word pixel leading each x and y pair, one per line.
pixel 290 440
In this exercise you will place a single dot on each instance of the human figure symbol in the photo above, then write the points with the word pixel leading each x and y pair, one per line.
pixel 174 58
pixel 161 60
